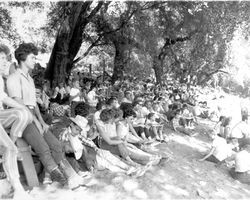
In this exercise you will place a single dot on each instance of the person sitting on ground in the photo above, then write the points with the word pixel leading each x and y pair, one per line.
pixel 110 141
pixel 16 118
pixel 178 126
pixel 112 102
pixel 128 97
pixel 124 126
pixel 60 95
pixel 154 127
pixel 83 146
pixel 92 97
pixel 241 131
pixel 220 149
pixel 160 113
pixel 75 95
pixel 241 171
pixel 187 117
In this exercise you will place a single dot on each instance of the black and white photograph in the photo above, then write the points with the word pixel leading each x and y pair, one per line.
pixel 124 100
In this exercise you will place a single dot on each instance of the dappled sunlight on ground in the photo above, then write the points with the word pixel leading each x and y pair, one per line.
pixel 180 177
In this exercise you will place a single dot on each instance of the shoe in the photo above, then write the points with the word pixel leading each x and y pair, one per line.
pixel 47 180
pixel 58 176
pixel 77 181
pixel 131 170
pixel 84 174
pixel 154 160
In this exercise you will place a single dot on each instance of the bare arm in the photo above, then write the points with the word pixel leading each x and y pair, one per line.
pixel 132 130
pixel 12 103
pixel 105 136
pixel 38 115
pixel 209 154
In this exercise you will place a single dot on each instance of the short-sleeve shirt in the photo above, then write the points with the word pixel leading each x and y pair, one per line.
pixel 92 98
pixel 22 86
pixel 242 161
pixel 240 130
pixel 3 95
pixel 222 149
pixel 74 92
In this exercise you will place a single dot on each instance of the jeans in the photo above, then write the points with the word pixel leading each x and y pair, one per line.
pixel 47 147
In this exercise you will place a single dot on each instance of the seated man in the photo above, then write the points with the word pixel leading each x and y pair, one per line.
pixel 219 151
pixel 128 97
pixel 241 131
pixel 21 87
pixel 241 172
pixel 15 118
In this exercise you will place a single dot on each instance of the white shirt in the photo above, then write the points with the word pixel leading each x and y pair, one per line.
pixel 109 129
pixel 22 86
pixel 3 95
pixel 124 129
pixel 74 92
pixel 222 149
pixel 92 98
pixel 242 161
pixel 240 130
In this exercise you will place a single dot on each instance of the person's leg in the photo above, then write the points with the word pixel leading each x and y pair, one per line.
pixel 74 180
pixel 213 159
pixel 33 137
pixel 55 146
pixel 16 119
pixel 140 156
pixel 114 160
pixel 242 177
pixel 10 162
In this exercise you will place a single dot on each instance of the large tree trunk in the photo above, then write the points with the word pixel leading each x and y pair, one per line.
pixel 158 68
pixel 60 57
pixel 119 60
pixel 69 40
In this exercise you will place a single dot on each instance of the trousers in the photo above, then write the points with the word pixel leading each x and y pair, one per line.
pixel 46 146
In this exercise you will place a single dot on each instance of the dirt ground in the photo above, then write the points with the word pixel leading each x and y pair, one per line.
pixel 181 177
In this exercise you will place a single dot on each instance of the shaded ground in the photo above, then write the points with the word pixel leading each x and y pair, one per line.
pixel 182 177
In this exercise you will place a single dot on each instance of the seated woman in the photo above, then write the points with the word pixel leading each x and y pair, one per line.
pixel 177 126
pixel 110 141
pixel 241 172
pixel 124 126
pixel 76 137
pixel 219 151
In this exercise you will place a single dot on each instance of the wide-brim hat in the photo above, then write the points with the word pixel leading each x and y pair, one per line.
pixel 80 121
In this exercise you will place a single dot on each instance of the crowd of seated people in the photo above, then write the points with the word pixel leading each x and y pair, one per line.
pixel 89 126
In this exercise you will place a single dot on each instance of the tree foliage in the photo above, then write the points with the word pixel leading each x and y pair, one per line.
pixel 183 38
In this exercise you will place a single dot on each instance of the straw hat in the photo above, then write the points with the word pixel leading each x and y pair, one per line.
pixel 80 121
